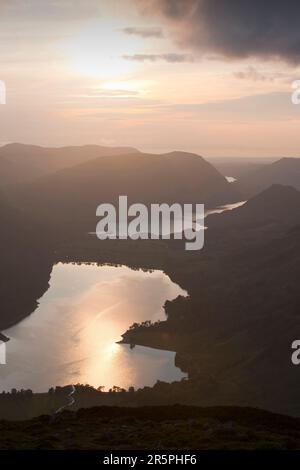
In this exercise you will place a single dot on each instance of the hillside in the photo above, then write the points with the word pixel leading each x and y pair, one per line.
pixel 276 205
pixel 239 167
pixel 21 163
pixel 163 427
pixel 234 333
pixel 285 171
pixel 25 264
pixel 67 200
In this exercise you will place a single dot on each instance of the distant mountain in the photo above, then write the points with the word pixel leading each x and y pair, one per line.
pixel 67 200
pixel 21 163
pixel 285 171
pixel 239 167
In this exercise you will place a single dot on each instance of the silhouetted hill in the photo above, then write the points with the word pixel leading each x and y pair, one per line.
pixel 67 200
pixel 285 171
pixel 21 163
pixel 233 334
pixel 24 267
pixel 277 204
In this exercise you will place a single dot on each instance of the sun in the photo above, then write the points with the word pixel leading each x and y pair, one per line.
pixel 98 51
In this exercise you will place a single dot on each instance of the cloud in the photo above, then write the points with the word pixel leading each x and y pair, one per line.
pixel 110 94
pixel 172 58
pixel 252 74
pixel 234 28
pixel 50 11
pixel 268 106
pixel 149 32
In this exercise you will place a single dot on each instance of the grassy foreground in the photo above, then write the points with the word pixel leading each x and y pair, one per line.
pixel 161 427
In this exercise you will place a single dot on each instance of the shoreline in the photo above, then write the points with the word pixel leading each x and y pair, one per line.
pixel 4 338
pixel 145 345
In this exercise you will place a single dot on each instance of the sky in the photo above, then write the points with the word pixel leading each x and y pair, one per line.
pixel 203 76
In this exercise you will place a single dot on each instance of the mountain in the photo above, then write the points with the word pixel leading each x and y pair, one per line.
pixel 25 264
pixel 238 167
pixel 285 171
pixel 276 205
pixel 21 163
pixel 67 200
pixel 234 332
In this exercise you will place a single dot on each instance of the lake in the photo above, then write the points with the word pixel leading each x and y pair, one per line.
pixel 72 335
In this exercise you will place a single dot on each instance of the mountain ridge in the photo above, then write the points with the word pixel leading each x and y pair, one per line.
pixel 285 171
pixel 22 163
pixel 69 197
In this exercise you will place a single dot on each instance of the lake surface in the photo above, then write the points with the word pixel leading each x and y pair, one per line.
pixel 231 179
pixel 225 208
pixel 71 337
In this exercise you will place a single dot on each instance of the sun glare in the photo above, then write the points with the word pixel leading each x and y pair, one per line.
pixel 112 349
pixel 98 51
pixel 140 87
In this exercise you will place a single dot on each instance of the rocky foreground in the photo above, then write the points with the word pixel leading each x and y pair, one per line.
pixel 162 427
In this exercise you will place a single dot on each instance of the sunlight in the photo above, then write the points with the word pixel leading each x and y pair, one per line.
pixel 98 51
pixel 112 349
pixel 127 87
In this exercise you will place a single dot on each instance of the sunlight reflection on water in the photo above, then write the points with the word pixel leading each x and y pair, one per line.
pixel 71 337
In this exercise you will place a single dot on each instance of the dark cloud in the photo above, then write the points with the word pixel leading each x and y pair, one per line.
pixel 172 58
pixel 234 28
pixel 150 32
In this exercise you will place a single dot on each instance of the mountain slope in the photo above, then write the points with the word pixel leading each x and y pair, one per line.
pixel 278 204
pixel 234 332
pixel 154 427
pixel 285 171
pixel 67 200
pixel 23 163
pixel 25 265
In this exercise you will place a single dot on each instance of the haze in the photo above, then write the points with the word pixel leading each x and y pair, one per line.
pixel 123 73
